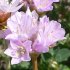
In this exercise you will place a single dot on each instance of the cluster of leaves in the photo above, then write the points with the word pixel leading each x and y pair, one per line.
pixel 58 58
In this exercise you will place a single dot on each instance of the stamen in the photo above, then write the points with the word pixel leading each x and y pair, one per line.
pixel 21 51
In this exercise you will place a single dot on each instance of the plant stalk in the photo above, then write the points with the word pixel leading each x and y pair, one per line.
pixel 34 61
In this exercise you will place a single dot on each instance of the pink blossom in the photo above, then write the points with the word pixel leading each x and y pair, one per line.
pixel 44 5
pixel 22 25
pixel 28 35
pixel 48 34
pixel 42 33
pixel 19 51
pixel 13 6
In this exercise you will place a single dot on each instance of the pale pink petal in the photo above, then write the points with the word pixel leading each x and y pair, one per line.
pixel 27 44
pixel 12 36
pixel 10 52
pixel 11 9
pixel 39 47
pixel 55 0
pixel 15 61
pixel 26 57
pixel 44 5
pixel 14 44
pixel 13 21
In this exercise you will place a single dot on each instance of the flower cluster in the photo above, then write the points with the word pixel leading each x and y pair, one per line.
pixel 27 32
pixel 8 7
pixel 28 35
pixel 40 5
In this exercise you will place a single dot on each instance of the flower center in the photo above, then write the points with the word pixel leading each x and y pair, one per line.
pixel 21 51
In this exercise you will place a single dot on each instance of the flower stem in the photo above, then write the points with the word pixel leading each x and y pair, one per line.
pixel 7 59
pixel 34 61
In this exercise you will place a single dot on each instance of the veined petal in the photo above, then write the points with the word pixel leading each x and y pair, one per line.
pixel 14 21
pixel 10 52
pixel 49 33
pixel 13 6
pixel 15 61
pixel 42 5
pixel 39 47
pixel 23 24
pixel 14 44
pixel 12 36
pixel 27 44
pixel 15 2
pixel 14 9
pixel 26 57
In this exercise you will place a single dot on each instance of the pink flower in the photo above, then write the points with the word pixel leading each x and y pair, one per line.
pixel 28 35
pixel 19 51
pixel 13 6
pixel 7 8
pixel 44 5
pixel 22 25
pixel 48 34
pixel 42 33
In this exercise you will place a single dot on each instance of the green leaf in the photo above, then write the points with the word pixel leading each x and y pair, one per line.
pixel 62 55
pixel 21 66
pixel 25 64
pixel 51 51
pixel 64 67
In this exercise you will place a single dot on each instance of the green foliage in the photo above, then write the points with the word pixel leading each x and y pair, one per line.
pixel 21 66
pixel 62 55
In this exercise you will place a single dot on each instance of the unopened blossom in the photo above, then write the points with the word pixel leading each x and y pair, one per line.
pixel 19 51
pixel 48 34
pixel 3 17
pixel 22 25
pixel 44 5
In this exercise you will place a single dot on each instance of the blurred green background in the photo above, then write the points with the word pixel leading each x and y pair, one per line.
pixel 58 58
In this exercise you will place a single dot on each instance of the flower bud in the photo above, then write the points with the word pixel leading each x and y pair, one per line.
pixel 53 65
pixel 3 17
